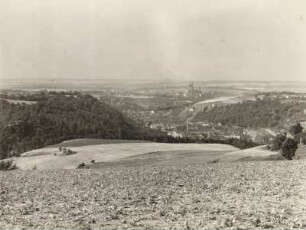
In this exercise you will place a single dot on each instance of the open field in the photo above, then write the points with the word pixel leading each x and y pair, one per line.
pixel 177 157
pixel 249 194
pixel 108 153
pixel 51 157
pixel 185 157
pixel 19 101
pixel 90 141
pixel 198 106
pixel 226 100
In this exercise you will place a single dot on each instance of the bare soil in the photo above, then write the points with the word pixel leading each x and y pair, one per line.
pixel 268 194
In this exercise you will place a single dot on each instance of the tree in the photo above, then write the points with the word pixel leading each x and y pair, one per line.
pixel 296 129
pixel 289 148
pixel 277 142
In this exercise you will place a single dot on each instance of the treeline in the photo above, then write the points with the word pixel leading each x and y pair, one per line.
pixel 57 117
pixel 253 114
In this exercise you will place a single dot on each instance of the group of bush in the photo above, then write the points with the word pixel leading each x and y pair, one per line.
pixel 7 165
pixel 288 143
pixel 66 151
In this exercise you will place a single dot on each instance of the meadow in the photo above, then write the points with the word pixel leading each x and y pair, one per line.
pixel 87 150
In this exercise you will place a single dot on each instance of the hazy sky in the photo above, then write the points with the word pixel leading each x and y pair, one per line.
pixel 146 39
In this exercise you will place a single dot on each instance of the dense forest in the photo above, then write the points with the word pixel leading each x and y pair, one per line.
pixel 57 117
pixel 254 114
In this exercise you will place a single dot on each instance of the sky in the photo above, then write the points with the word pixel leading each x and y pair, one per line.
pixel 153 39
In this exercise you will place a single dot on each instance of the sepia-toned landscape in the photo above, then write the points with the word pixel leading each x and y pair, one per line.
pixel 152 114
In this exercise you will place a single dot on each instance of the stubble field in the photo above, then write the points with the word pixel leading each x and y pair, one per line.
pixel 209 196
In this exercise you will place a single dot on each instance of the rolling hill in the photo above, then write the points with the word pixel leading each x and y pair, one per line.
pixel 121 153
pixel 112 153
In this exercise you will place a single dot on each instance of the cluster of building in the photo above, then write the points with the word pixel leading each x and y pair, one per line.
pixel 194 93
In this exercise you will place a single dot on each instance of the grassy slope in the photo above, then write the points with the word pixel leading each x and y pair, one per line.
pixel 88 141
pixel 177 157
pixel 108 153
pixel 260 153
pixel 46 159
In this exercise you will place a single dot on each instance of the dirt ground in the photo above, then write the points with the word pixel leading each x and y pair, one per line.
pixel 269 194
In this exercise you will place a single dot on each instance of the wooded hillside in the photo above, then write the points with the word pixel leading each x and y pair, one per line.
pixel 254 114
pixel 57 117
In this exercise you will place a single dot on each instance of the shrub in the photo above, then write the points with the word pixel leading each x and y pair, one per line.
pixel 296 129
pixel 289 148
pixel 70 152
pixel 214 161
pixel 6 165
pixel 277 142
pixel 81 165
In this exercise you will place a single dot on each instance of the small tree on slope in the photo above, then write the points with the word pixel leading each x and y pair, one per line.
pixel 289 148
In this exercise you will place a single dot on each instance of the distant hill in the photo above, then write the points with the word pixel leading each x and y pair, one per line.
pixel 56 117
pixel 255 114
